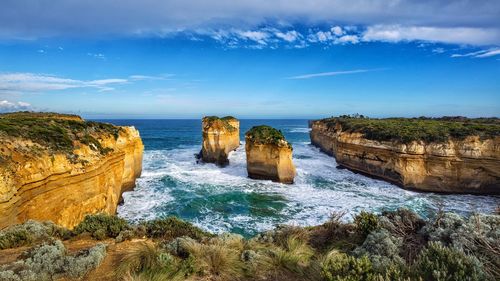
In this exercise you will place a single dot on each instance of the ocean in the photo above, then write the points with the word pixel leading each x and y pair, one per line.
pixel 226 200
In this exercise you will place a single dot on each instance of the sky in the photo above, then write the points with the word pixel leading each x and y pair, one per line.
pixel 251 59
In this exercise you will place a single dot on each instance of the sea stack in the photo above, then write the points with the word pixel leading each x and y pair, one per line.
pixel 220 136
pixel 269 155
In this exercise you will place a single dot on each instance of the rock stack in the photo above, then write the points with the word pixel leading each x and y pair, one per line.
pixel 269 155
pixel 220 136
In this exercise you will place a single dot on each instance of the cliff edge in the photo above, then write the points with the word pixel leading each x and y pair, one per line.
pixel 60 168
pixel 220 136
pixel 450 155
pixel 269 155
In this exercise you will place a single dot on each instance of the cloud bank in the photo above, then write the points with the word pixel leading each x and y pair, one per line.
pixel 34 82
pixel 7 106
pixel 460 22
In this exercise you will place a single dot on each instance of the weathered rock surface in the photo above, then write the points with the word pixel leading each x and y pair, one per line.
pixel 269 155
pixel 471 165
pixel 220 136
pixel 39 183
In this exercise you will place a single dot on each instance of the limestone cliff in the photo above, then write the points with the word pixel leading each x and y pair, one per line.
pixel 220 136
pixel 454 165
pixel 61 168
pixel 269 155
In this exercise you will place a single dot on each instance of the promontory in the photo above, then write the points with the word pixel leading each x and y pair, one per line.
pixel 269 155
pixel 448 154
pixel 220 136
pixel 60 168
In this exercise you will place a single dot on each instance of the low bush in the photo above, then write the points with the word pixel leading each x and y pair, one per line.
pixel 366 222
pixel 102 226
pixel 172 227
pixel 382 249
pixel 441 263
pixel 50 261
pixel 341 267
pixel 31 232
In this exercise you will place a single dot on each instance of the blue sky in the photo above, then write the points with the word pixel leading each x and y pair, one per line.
pixel 252 59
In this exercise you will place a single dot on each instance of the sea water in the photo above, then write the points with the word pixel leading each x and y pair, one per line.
pixel 226 200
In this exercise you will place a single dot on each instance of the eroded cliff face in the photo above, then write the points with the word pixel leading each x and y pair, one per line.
pixel 269 160
pixel 220 136
pixel 471 165
pixel 38 183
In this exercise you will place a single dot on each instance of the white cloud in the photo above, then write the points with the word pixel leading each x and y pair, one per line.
pixel 331 73
pixel 33 82
pixel 438 50
pixel 289 36
pixel 489 53
pixel 324 36
pixel 337 30
pixel 22 19
pixel 257 36
pixel 479 54
pixel 454 35
pixel 7 106
pixel 353 39
pixel 97 56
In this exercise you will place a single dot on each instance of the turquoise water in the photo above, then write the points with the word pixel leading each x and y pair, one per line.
pixel 224 199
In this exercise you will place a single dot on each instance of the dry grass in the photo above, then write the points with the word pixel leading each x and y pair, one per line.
pixel 217 260
pixel 139 257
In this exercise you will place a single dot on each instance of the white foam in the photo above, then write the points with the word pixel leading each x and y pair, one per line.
pixel 319 190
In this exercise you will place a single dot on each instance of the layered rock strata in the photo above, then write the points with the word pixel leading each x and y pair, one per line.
pixel 269 155
pixel 68 169
pixel 220 137
pixel 468 165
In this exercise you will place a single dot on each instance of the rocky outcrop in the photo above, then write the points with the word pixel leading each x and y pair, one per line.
pixel 269 155
pixel 469 165
pixel 220 136
pixel 44 182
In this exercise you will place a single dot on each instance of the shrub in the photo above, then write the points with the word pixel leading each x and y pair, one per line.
pixel 102 225
pixel 441 263
pixel 341 267
pixel 366 222
pixel 382 249
pixel 49 261
pixel 477 235
pixel 405 225
pixel 172 227
pixel 29 232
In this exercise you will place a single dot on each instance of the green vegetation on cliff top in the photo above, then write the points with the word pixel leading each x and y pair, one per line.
pixel 266 135
pixel 224 121
pixel 57 132
pixel 393 245
pixel 425 129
